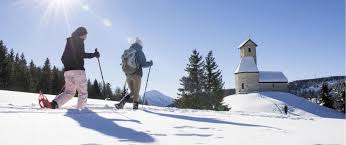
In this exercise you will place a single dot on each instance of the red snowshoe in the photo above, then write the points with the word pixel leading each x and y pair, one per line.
pixel 43 101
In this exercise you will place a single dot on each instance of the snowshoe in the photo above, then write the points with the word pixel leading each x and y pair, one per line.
pixel 43 101
pixel 119 106
pixel 122 102
pixel 135 105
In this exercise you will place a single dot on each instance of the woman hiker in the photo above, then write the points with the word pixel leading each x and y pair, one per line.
pixel 74 71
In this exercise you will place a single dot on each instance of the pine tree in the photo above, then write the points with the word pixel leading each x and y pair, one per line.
pixel 117 94
pixel 107 92
pixel 45 83
pixel 326 98
pixel 57 80
pixel 4 66
pixel 11 71
pixel 192 91
pixel 214 84
pixel 97 89
pixel 33 77
pixel 340 99
pixel 23 75
pixel 91 92
pixel 16 75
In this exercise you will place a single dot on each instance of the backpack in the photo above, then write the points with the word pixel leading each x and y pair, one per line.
pixel 129 61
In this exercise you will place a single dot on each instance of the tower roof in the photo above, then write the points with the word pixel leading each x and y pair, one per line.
pixel 246 42
pixel 247 64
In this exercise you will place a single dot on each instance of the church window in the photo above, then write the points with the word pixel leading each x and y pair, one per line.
pixel 242 85
pixel 249 49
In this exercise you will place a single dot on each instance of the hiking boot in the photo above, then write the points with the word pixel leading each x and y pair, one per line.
pixel 135 105
pixel 122 102
pixel 54 105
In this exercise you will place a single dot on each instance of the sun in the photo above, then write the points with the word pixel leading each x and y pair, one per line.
pixel 54 9
pixel 65 11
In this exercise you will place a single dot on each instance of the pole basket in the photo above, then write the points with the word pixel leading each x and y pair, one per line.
pixel 43 101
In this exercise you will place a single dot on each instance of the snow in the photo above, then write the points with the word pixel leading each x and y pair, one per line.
pixel 156 98
pixel 247 64
pixel 272 76
pixel 273 102
pixel 23 122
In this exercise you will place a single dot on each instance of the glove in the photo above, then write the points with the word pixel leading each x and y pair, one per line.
pixel 150 63
pixel 96 54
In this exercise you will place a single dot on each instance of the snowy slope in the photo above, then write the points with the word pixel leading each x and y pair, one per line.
pixel 23 122
pixel 273 102
pixel 156 98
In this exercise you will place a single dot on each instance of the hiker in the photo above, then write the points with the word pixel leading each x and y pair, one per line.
pixel 133 60
pixel 285 109
pixel 74 71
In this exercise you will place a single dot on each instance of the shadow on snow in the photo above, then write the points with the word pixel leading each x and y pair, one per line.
pixel 91 120
pixel 208 120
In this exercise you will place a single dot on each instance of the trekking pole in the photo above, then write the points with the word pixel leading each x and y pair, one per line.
pixel 104 84
pixel 146 84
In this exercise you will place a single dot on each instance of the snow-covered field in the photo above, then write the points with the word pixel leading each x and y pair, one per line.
pixel 23 122
pixel 274 102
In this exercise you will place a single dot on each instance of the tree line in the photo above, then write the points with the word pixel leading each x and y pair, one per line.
pixel 336 101
pixel 327 91
pixel 202 87
pixel 16 74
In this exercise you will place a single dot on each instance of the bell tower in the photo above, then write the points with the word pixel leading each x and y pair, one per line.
pixel 248 48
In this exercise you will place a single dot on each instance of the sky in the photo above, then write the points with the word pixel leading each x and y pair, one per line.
pixel 302 38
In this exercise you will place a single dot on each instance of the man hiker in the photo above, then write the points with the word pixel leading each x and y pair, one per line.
pixel 133 60
pixel 74 71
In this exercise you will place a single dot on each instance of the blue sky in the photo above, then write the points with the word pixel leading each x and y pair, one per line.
pixel 302 38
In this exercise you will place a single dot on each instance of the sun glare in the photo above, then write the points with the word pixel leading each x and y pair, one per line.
pixel 58 8
pixel 62 10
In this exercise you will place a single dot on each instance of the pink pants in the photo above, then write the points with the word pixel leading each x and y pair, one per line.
pixel 74 80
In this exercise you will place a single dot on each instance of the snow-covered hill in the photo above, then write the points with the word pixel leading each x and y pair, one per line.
pixel 156 98
pixel 273 102
pixel 23 122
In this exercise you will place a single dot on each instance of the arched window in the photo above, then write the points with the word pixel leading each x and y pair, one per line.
pixel 249 49
pixel 242 85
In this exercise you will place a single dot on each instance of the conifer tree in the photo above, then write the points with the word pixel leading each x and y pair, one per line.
pixel 214 83
pixel 97 90
pixel 4 66
pixel 45 78
pixel 33 77
pixel 117 94
pixel 192 91
pixel 326 98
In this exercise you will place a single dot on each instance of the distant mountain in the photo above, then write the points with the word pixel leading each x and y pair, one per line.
pixel 156 98
pixel 310 88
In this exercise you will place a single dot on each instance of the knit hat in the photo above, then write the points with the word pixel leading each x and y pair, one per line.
pixel 139 41
pixel 80 31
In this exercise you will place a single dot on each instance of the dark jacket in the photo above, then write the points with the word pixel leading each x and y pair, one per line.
pixel 140 57
pixel 74 54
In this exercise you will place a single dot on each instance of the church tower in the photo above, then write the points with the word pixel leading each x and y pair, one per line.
pixel 248 48
pixel 247 74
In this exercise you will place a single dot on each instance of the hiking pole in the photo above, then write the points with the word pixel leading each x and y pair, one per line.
pixel 104 84
pixel 146 84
